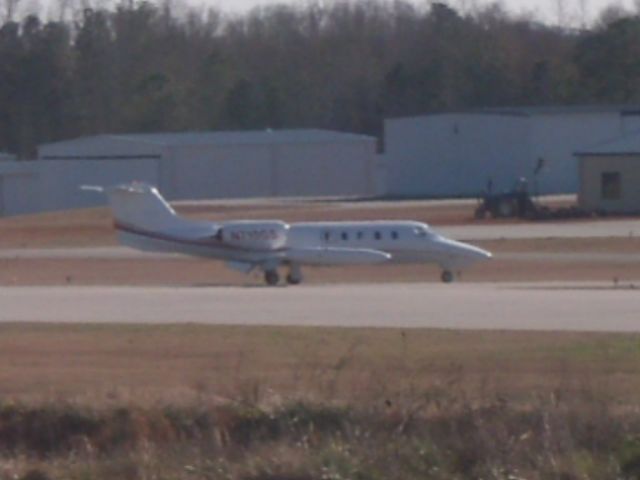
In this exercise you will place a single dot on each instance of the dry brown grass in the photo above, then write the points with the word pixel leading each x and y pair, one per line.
pixel 173 402
pixel 145 364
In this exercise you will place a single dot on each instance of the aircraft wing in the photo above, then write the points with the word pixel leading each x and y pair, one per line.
pixel 336 256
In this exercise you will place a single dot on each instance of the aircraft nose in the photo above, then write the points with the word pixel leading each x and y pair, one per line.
pixel 469 251
pixel 478 253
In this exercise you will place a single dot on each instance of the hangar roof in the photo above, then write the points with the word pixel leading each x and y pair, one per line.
pixel 540 110
pixel 626 145
pixel 563 109
pixel 245 137
pixel 229 138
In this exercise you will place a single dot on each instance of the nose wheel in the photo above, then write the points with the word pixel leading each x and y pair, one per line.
pixel 447 276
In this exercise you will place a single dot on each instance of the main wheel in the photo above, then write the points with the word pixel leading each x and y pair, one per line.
pixel 271 277
pixel 294 277
pixel 447 276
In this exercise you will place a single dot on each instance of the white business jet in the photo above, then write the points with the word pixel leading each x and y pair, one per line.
pixel 145 221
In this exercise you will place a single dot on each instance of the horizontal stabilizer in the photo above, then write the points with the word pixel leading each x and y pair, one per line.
pixel 337 256
pixel 92 188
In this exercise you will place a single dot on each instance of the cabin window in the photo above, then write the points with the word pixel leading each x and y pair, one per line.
pixel 377 235
pixel 610 186
pixel 394 235
pixel 326 236
pixel 345 236
pixel 360 235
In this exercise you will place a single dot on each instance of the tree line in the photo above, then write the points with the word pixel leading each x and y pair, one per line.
pixel 347 65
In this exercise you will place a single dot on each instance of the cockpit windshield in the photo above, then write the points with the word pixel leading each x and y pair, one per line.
pixel 421 232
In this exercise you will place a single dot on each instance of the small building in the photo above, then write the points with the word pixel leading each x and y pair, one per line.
pixel 201 165
pixel 610 176
pixel 462 153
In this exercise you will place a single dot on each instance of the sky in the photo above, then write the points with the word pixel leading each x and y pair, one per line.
pixel 567 12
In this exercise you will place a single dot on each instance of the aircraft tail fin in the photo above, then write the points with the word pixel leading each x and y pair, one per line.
pixel 138 205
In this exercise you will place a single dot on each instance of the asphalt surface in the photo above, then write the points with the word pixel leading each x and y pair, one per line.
pixel 577 229
pixel 553 306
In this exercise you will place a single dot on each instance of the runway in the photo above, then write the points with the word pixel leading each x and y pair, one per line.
pixel 551 306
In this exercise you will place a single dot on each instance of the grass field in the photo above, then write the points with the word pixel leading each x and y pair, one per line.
pixel 168 402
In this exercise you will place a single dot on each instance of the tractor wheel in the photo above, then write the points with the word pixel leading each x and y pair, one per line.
pixel 506 209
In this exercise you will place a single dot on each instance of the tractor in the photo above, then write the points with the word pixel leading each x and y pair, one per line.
pixel 515 203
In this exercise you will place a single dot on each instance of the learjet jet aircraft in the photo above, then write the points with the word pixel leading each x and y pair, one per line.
pixel 145 221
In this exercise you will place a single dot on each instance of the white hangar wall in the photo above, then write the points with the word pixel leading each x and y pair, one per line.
pixel 19 193
pixel 555 137
pixel 324 169
pixel 269 169
pixel 456 154
pixel 203 171
pixel 59 181
pixel 199 165
pixel 194 166
pixel 39 186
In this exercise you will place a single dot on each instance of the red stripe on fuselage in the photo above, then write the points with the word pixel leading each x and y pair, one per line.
pixel 205 242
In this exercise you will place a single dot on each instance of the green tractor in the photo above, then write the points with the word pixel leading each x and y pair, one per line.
pixel 515 203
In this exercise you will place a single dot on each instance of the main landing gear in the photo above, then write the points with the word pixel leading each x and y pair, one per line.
pixel 271 277
pixel 294 277
pixel 447 276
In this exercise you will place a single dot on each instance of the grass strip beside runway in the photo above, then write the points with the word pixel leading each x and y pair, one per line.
pixel 191 401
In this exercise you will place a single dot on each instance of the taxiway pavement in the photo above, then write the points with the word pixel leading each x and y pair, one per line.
pixel 552 306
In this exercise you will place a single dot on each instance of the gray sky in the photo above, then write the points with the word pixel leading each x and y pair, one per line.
pixel 572 11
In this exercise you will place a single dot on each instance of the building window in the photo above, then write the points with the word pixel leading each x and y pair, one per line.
pixel 611 186
pixel 377 235
pixel 345 236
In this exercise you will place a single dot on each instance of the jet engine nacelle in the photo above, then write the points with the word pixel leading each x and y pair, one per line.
pixel 252 235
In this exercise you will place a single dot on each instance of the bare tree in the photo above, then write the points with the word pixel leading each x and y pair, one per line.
pixel 583 7
pixel 561 13
pixel 9 10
